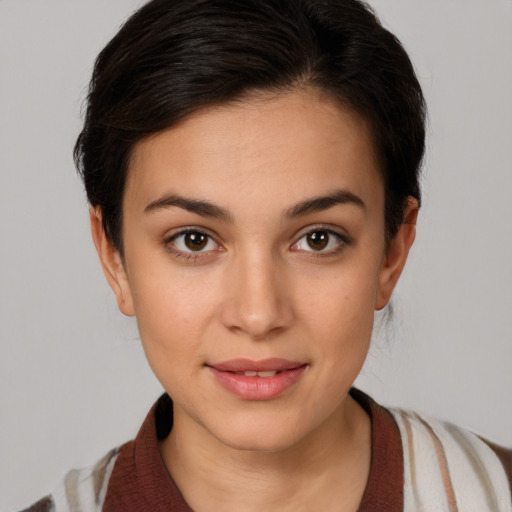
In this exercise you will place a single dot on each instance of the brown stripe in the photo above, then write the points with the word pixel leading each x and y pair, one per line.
pixel 477 465
pixel 99 472
pixel 505 456
pixel 412 463
pixel 443 466
pixel 43 505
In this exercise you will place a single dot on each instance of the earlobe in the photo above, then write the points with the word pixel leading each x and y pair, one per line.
pixel 396 255
pixel 112 263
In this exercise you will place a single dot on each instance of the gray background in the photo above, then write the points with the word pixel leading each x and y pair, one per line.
pixel 73 378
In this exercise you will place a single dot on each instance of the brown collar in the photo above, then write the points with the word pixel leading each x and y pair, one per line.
pixel 140 481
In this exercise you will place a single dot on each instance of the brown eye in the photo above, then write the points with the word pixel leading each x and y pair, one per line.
pixel 318 240
pixel 323 241
pixel 195 241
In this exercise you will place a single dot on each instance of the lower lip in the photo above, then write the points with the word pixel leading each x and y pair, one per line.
pixel 258 388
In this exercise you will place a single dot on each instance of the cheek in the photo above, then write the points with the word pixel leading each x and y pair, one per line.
pixel 346 328
pixel 346 331
pixel 173 311
pixel 170 333
pixel 341 317
pixel 344 301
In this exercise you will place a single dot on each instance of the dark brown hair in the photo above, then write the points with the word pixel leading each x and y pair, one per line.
pixel 173 57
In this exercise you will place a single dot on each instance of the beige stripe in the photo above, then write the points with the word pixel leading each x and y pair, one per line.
pixel 412 463
pixel 71 486
pixel 443 466
pixel 477 465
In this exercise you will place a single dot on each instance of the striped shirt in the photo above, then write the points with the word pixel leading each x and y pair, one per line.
pixel 418 464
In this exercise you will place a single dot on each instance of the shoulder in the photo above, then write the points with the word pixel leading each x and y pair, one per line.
pixel 82 490
pixel 452 467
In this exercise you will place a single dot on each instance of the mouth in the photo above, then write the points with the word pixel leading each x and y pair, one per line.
pixel 257 380
pixel 258 374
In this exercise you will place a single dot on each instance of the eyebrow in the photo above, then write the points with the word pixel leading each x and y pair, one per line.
pixel 207 209
pixel 200 207
pixel 324 202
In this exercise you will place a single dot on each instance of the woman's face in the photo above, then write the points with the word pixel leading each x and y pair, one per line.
pixel 254 260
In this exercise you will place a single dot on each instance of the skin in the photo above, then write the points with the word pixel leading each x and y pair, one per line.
pixel 258 289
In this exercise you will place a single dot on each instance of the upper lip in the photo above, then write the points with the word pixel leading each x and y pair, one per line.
pixel 248 365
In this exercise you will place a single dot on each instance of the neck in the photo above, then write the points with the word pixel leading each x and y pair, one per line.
pixel 329 466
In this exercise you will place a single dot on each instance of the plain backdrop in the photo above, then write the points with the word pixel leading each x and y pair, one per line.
pixel 73 378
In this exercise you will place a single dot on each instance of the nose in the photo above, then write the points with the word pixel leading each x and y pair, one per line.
pixel 258 304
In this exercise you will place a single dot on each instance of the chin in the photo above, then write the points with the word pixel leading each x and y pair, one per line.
pixel 258 443
pixel 260 434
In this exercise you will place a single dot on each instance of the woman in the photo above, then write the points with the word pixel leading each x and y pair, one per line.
pixel 252 170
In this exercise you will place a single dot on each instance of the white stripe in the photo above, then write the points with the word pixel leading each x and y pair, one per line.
pixel 108 474
pixel 80 484
pixel 428 495
pixel 411 500
pixel 471 487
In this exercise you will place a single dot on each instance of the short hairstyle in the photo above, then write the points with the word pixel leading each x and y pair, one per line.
pixel 173 57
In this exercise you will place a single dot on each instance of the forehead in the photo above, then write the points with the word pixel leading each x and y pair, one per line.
pixel 292 144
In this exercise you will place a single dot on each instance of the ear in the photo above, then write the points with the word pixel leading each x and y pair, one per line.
pixel 112 263
pixel 396 254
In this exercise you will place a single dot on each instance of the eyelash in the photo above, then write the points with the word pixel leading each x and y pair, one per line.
pixel 189 256
pixel 192 256
pixel 342 241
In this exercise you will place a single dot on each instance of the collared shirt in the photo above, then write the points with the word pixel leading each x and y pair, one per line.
pixel 415 463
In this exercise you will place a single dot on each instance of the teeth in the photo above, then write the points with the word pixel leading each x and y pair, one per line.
pixel 266 374
pixel 258 374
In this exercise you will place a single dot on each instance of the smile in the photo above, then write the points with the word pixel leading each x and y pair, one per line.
pixel 257 380
pixel 258 374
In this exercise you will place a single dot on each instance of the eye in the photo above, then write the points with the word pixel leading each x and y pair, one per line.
pixel 321 241
pixel 193 241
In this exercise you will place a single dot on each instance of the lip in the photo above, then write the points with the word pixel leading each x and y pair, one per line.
pixel 228 375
